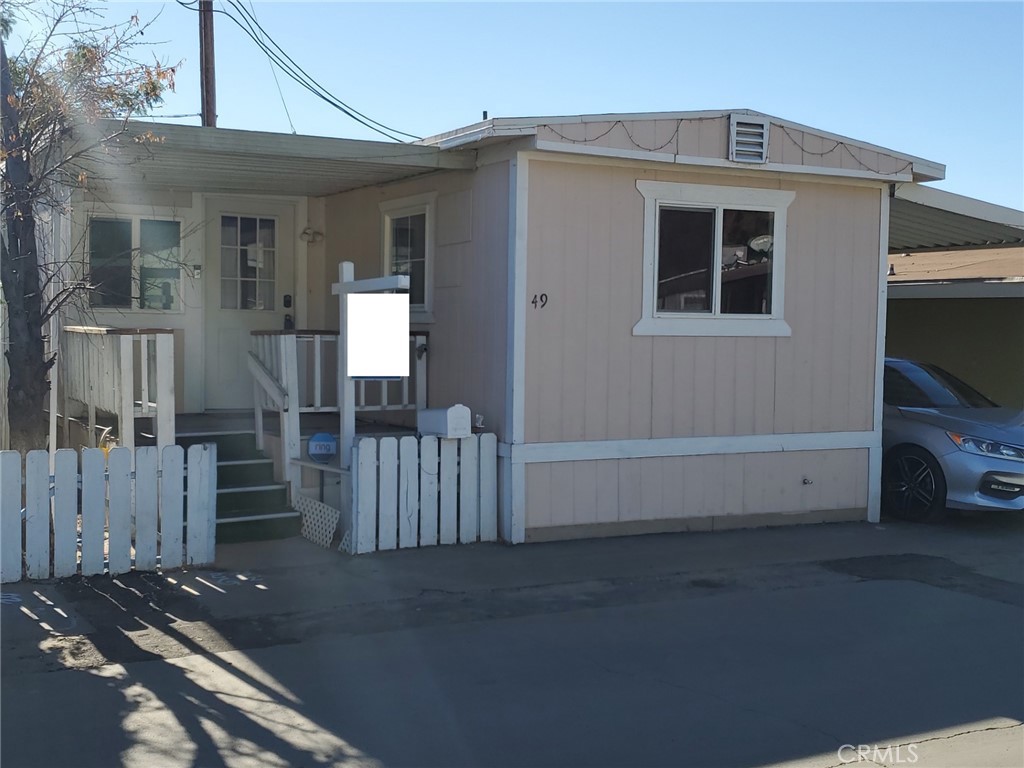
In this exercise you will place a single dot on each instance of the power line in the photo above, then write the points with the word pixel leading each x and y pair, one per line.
pixel 296 72
pixel 273 71
pixel 307 76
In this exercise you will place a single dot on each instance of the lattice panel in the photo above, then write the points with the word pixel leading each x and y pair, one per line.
pixel 319 521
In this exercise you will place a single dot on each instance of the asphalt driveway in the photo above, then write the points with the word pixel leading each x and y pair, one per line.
pixel 816 646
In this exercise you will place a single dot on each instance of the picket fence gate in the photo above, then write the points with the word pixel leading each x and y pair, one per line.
pixel 106 515
pixel 423 492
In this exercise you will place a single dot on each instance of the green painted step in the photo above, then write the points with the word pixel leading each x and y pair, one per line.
pixel 231 446
pixel 241 472
pixel 263 497
pixel 259 530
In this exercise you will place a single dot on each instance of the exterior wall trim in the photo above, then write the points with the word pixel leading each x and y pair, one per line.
pixel 875 453
pixel 981 289
pixel 595 450
pixel 512 515
pixel 709 162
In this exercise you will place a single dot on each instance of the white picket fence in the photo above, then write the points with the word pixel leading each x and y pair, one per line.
pixel 423 492
pixel 106 516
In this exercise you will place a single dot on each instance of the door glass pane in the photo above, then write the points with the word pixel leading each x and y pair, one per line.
pixel 268 235
pixel 248 294
pixel 229 294
pixel 247 231
pixel 266 268
pixel 248 258
pixel 229 262
pixel 229 230
pixel 686 241
pixel 747 249
pixel 110 263
pixel 160 264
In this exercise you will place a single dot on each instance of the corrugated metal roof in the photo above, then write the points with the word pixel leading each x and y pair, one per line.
pixel 926 219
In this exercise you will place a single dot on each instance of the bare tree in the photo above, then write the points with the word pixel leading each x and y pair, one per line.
pixel 73 71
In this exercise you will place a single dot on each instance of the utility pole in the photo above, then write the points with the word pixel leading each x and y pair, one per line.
pixel 207 70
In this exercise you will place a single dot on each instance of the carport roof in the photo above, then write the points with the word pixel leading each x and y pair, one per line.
pixel 184 157
pixel 926 219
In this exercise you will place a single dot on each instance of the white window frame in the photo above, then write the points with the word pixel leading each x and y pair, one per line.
pixel 660 194
pixel 411 206
pixel 136 254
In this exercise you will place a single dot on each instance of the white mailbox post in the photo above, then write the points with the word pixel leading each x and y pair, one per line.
pixel 346 285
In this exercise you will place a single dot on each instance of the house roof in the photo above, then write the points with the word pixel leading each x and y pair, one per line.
pixel 988 272
pixel 181 157
pixel 259 162
pixel 943 266
pixel 503 128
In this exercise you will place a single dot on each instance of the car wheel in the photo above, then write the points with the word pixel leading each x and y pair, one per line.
pixel 913 486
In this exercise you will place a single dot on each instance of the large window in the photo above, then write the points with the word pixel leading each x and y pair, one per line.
pixel 408 247
pixel 135 263
pixel 713 260
pixel 248 250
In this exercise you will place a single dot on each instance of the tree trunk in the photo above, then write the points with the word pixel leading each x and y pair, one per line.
pixel 28 386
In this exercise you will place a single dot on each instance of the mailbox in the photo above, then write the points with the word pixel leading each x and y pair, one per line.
pixel 444 422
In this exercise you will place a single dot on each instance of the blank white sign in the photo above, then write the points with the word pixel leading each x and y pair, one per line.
pixel 378 335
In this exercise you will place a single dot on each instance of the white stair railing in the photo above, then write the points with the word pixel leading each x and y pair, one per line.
pixel 293 373
pixel 125 372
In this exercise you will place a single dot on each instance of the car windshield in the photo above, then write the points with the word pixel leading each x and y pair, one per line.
pixel 917 385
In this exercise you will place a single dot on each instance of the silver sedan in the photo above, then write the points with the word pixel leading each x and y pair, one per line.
pixel 945 445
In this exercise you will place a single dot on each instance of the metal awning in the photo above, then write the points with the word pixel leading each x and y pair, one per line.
pixel 187 157
pixel 926 219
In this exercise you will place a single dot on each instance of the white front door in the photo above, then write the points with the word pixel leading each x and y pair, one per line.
pixel 250 285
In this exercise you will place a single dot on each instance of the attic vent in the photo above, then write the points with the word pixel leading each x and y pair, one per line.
pixel 748 139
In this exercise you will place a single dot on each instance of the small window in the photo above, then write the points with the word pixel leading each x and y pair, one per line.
pixel 135 263
pixel 409 254
pixel 408 248
pixel 248 251
pixel 110 262
pixel 713 260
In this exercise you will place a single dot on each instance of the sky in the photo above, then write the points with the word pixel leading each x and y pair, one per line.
pixel 939 80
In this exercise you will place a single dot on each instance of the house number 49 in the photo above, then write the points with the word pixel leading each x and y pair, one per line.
pixel 540 300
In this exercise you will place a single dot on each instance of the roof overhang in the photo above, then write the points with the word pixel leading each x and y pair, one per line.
pixel 180 157
pixel 924 219
pixel 504 128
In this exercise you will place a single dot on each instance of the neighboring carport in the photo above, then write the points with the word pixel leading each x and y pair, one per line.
pixel 956 288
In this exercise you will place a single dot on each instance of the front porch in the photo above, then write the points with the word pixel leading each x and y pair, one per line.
pixel 108 378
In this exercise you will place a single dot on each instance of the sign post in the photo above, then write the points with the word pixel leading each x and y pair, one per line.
pixel 346 285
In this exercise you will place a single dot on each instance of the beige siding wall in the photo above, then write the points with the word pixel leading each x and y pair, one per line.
pixel 589 378
pixel 709 138
pixel 627 491
pixel 978 340
pixel 467 359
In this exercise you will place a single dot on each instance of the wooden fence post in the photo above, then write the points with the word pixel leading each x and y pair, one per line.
pixel 10 516
pixel 172 475
pixel 201 526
